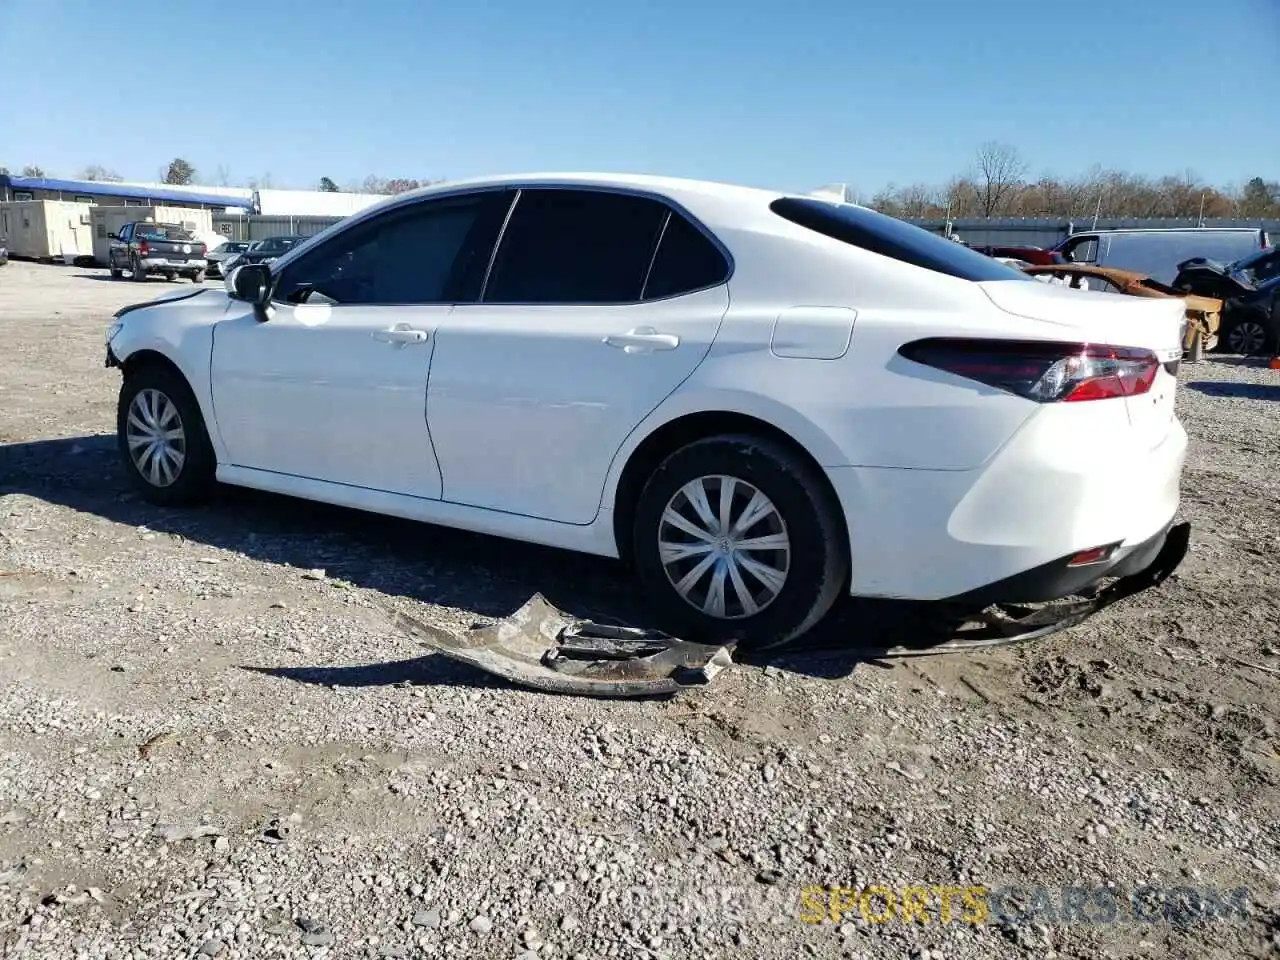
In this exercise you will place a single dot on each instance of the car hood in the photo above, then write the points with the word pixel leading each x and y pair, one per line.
pixel 199 296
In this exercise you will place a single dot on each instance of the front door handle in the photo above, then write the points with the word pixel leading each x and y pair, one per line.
pixel 642 340
pixel 401 333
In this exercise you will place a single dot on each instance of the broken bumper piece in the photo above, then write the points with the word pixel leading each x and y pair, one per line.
pixel 1003 623
pixel 544 648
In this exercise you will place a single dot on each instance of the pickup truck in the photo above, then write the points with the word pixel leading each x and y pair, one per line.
pixel 145 248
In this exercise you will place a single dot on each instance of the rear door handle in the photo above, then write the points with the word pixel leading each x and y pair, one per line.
pixel 642 340
pixel 401 333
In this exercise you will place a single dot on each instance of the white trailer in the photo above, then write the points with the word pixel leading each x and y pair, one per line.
pixel 47 229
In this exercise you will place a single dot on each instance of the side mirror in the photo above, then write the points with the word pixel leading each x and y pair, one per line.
pixel 112 236
pixel 250 283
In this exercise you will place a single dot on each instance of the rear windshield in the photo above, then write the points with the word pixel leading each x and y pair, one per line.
pixel 893 238
pixel 163 231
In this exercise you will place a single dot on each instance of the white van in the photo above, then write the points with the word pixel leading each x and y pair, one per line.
pixel 1158 252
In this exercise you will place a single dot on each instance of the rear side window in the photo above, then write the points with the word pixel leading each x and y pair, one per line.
pixel 889 237
pixel 686 260
pixel 575 246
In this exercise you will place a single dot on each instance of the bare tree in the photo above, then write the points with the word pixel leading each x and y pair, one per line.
pixel 402 185
pixel 392 185
pixel 222 175
pixel 1000 172
pixel 96 171
pixel 33 170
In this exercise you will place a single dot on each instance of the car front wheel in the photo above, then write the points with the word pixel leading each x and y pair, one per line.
pixel 738 539
pixel 162 438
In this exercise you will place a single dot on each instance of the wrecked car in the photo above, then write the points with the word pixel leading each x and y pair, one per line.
pixel 1249 289
pixel 665 371
pixel 1203 314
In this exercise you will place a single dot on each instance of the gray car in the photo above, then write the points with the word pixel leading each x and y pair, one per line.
pixel 224 252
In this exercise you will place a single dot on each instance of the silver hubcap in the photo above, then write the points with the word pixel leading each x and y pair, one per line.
pixel 724 547
pixel 1246 338
pixel 157 442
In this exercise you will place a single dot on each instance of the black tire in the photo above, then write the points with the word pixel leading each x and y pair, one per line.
pixel 1248 337
pixel 116 272
pixel 198 276
pixel 136 271
pixel 195 477
pixel 818 565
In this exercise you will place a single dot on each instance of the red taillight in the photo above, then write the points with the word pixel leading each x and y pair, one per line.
pixel 1040 370
pixel 1087 558
pixel 144 248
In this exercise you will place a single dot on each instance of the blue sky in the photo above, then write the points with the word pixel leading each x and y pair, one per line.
pixel 788 95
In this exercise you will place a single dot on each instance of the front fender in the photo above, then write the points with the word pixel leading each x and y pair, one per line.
pixel 182 333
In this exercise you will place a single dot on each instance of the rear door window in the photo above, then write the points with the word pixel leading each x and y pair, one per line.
pixel 893 238
pixel 686 260
pixel 575 246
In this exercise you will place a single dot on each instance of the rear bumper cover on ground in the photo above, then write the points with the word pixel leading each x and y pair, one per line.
pixel 546 649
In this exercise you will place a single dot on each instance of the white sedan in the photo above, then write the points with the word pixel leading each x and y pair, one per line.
pixel 763 401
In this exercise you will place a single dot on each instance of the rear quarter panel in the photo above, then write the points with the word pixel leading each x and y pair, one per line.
pixel 868 407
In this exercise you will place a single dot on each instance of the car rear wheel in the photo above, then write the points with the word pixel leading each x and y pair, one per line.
pixel 737 538
pixel 198 276
pixel 1248 337
pixel 162 438
pixel 136 271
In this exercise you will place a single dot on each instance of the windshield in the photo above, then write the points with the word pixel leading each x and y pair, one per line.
pixel 163 231
pixel 890 237
pixel 276 243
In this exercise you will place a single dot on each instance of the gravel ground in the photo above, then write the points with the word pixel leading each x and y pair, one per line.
pixel 210 749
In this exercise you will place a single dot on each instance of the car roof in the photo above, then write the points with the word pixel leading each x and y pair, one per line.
pixel 636 181
pixel 712 202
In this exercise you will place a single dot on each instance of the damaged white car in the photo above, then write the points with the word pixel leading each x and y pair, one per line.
pixel 762 401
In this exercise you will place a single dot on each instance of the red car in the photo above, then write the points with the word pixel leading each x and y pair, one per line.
pixel 1032 255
